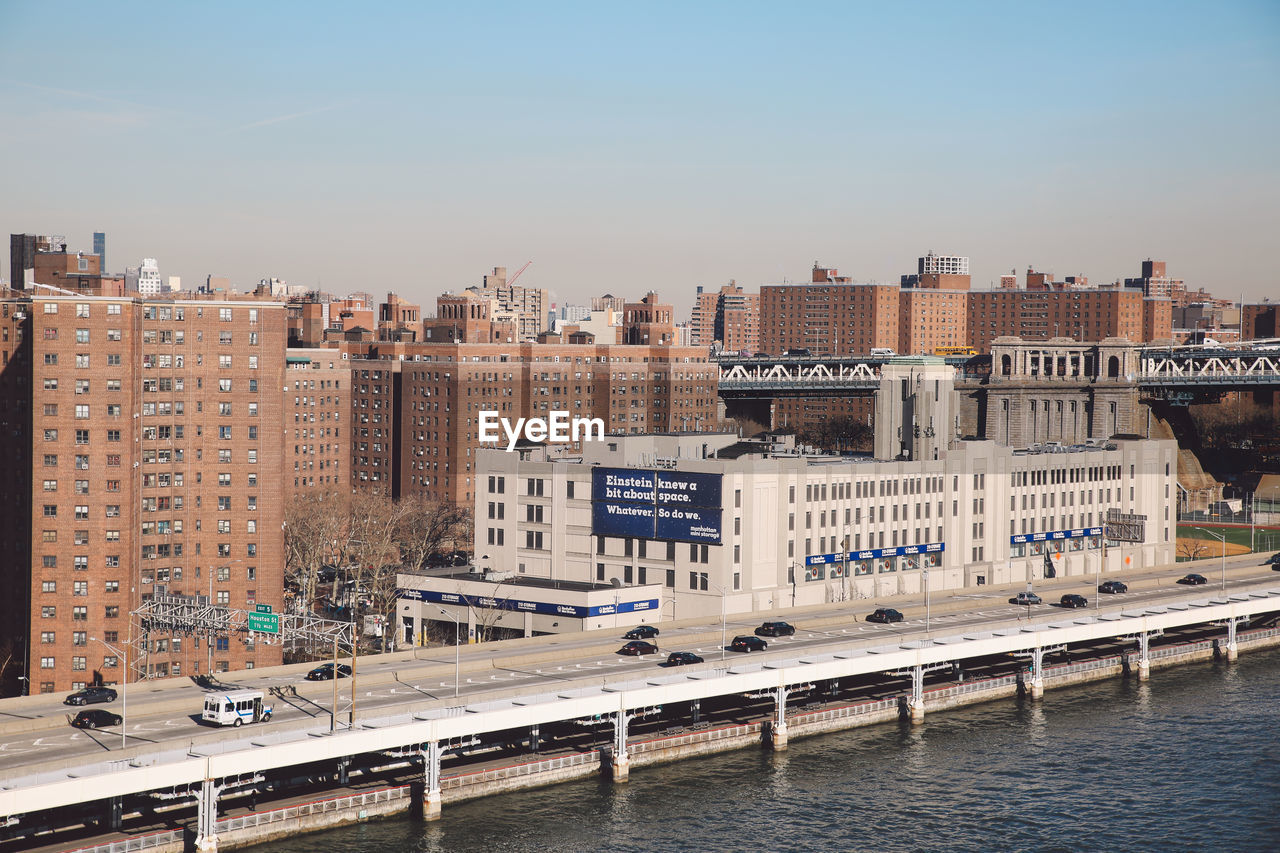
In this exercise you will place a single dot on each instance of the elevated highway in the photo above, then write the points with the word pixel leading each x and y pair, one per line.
pixel 584 684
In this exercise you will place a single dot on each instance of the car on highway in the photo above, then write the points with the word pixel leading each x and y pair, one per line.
pixel 638 647
pixel 1192 580
pixel 96 719
pixel 1113 587
pixel 1073 600
pixel 1274 560
pixel 90 695
pixel 1026 598
pixel 641 632
pixel 682 658
pixel 886 615
pixel 775 629
pixel 324 672
pixel 747 643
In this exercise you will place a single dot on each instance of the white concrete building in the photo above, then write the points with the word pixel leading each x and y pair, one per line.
pixel 768 527
pixel 149 278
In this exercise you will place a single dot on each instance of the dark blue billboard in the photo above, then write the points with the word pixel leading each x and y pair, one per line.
pixel 676 505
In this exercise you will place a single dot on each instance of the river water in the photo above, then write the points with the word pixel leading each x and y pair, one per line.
pixel 1188 761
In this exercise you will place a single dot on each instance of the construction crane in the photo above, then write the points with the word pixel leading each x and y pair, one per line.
pixel 513 278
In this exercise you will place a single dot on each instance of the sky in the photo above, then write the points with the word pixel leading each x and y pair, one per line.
pixel 629 147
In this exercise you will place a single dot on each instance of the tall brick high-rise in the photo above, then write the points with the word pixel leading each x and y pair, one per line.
pixel 155 459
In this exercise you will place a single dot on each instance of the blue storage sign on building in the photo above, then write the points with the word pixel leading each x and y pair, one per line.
pixel 678 505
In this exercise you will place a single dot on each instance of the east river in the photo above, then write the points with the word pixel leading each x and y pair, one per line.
pixel 1188 761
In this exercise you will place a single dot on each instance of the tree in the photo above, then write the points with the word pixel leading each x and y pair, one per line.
pixel 1192 549
pixel 315 533
pixel 428 527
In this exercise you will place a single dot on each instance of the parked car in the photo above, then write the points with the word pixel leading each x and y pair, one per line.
pixel 638 647
pixel 886 615
pixel 1192 580
pixel 1113 587
pixel 748 643
pixel 324 672
pixel 641 632
pixel 1026 598
pixel 96 719
pixel 90 695
pixel 775 629
pixel 1073 600
pixel 682 658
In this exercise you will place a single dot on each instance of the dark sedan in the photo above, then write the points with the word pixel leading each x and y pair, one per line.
pixel 1073 600
pixel 886 615
pixel 90 695
pixel 1113 587
pixel 1192 580
pixel 641 632
pixel 748 643
pixel 96 719
pixel 1025 598
pixel 324 672
pixel 638 647
pixel 682 658
pixel 775 629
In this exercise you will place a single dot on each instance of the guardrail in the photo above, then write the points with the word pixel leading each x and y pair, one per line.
pixel 673 741
pixel 517 770
pixel 139 842
pixel 846 711
pixel 332 804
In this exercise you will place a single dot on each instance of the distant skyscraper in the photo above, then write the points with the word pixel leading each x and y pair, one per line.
pixel 100 249
pixel 149 278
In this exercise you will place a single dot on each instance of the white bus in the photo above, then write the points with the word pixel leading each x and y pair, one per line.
pixel 235 708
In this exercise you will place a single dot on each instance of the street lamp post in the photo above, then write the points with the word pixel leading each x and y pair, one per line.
pixel 457 649
pixel 722 620
pixel 124 691
pixel 1223 540
pixel 926 601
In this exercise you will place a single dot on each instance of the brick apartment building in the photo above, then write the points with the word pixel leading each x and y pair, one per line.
pixel 154 458
pixel 317 396
pixel 730 316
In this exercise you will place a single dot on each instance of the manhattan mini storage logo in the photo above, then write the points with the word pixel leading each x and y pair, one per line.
pixel 559 428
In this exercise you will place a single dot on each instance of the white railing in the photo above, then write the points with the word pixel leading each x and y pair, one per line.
pixel 1083 666
pixel 140 842
pixel 517 770
pixel 847 711
pixel 333 804
pixel 673 741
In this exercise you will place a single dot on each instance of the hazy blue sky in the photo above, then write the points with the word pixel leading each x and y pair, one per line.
pixel 652 145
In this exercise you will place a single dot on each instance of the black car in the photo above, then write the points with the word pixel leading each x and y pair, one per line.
pixel 1275 559
pixel 638 647
pixel 775 629
pixel 1073 600
pixel 747 643
pixel 324 672
pixel 641 632
pixel 682 658
pixel 1112 587
pixel 96 719
pixel 1026 598
pixel 1192 580
pixel 90 695
pixel 886 615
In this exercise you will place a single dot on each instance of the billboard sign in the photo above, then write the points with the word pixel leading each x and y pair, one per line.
pixel 678 505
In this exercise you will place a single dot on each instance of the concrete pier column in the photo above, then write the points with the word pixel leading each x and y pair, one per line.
pixel 1144 669
pixel 778 735
pixel 915 709
pixel 915 705
pixel 621 758
pixel 1035 689
pixel 1144 659
pixel 431 781
pixel 1233 651
pixel 207 818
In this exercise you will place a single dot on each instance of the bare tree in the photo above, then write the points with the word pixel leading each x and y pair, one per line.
pixel 1192 549
pixel 427 527
pixel 315 533
pixel 8 655
pixel 488 613
pixel 373 550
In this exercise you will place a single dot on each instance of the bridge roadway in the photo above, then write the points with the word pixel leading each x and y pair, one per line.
pixel 60 769
pixel 34 729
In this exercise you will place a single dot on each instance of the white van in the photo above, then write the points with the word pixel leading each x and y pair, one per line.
pixel 235 708
pixel 882 352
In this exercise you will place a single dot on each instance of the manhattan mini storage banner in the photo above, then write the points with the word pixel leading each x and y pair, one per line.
pixel 678 505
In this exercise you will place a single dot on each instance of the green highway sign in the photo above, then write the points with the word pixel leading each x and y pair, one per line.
pixel 262 608
pixel 267 623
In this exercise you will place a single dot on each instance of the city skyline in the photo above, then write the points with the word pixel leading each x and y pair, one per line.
pixel 628 150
